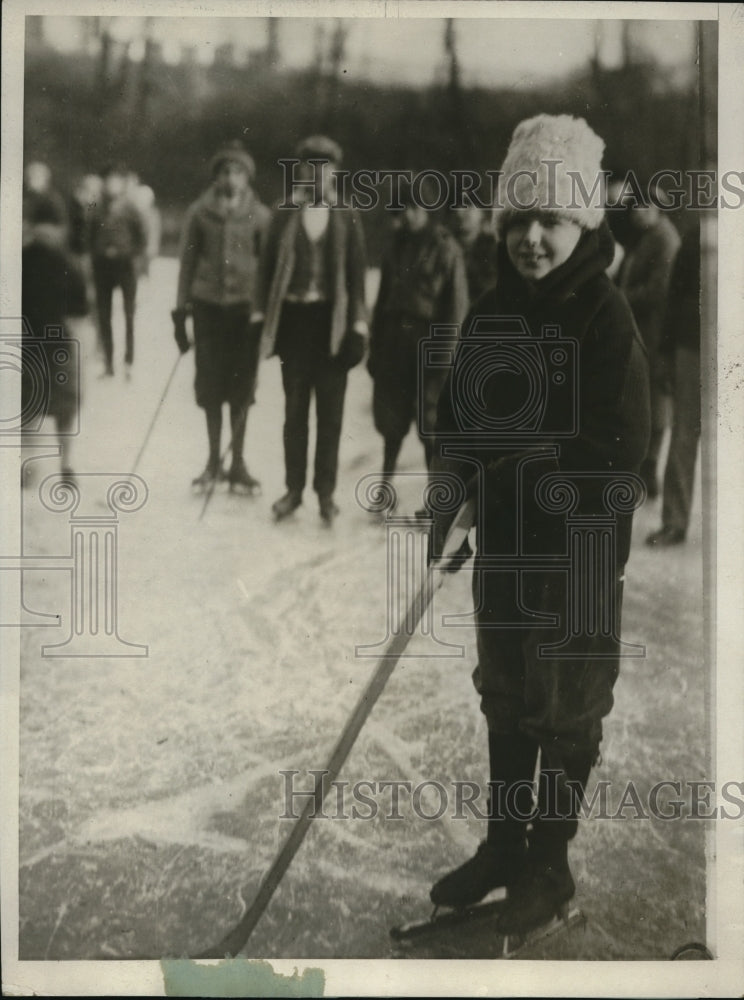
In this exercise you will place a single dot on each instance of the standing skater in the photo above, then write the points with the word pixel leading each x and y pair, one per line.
pixel 310 304
pixel 644 277
pixel 551 275
pixel 680 351
pixel 219 257
pixel 117 241
pixel 423 283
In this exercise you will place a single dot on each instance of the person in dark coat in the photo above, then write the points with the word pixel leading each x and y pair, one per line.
pixel 311 308
pixel 53 297
pixel 422 284
pixel 220 248
pixel 680 351
pixel 545 417
pixel 475 235
pixel 117 239
pixel 644 277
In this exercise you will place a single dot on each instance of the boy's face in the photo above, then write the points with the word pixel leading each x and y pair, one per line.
pixel 538 243
pixel 415 218
pixel 232 179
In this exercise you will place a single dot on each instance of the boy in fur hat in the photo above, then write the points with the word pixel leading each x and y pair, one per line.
pixel 585 433
pixel 221 244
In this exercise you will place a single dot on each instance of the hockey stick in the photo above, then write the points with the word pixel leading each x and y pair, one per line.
pixel 236 940
pixel 155 415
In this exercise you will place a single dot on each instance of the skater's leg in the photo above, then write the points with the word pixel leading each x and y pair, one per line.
pixel 239 477
pixel 330 392
pixel 500 858
pixel 212 471
pixel 547 884
pixel 104 299
pixel 129 297
pixel 64 424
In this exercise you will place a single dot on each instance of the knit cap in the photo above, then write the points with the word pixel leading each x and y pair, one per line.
pixel 544 153
pixel 233 151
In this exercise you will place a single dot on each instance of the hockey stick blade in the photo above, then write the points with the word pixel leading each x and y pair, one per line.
pixel 236 940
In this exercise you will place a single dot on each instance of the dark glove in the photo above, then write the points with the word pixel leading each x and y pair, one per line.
pixel 458 560
pixel 179 329
pixel 352 349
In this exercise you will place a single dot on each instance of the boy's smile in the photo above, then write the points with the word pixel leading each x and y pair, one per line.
pixel 538 242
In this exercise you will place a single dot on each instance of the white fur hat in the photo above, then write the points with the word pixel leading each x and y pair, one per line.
pixel 543 154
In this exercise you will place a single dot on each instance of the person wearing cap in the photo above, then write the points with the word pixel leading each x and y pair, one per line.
pixel 220 247
pixel 423 283
pixel 117 240
pixel 545 434
pixel 310 307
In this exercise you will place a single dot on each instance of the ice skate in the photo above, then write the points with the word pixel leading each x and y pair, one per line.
pixel 208 479
pixel 328 511
pixel 242 482
pixel 491 867
pixel 285 505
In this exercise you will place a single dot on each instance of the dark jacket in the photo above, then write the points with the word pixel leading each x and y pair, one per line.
pixel 423 277
pixel 220 250
pixel 607 404
pixel 645 275
pixel 480 264
pixel 347 267
pixel 53 290
pixel 116 230
pixel 682 318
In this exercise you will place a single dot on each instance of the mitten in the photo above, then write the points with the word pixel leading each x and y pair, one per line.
pixel 352 349
pixel 179 329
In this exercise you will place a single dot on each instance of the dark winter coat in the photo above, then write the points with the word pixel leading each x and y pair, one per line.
pixel 645 275
pixel 423 277
pixel 480 264
pixel 220 251
pixel 682 318
pixel 116 231
pixel 514 411
pixel 346 268
pixel 53 290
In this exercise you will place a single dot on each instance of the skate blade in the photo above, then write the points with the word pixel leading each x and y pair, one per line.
pixel 568 917
pixel 245 491
pixel 444 917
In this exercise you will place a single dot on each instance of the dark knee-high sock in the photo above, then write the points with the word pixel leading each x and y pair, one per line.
pixel 214 433
pixel 512 771
pixel 238 421
pixel 390 457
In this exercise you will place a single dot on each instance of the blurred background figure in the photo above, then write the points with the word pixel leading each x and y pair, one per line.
pixel 617 213
pixel 472 228
pixel 423 282
pixel 679 353
pixel 644 278
pixel 85 197
pixel 220 248
pixel 117 241
pixel 37 191
pixel 53 297
pixel 142 197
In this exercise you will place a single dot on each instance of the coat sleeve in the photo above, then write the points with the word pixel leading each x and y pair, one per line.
pixel 267 261
pixel 649 294
pixel 356 270
pixel 453 304
pixel 189 255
